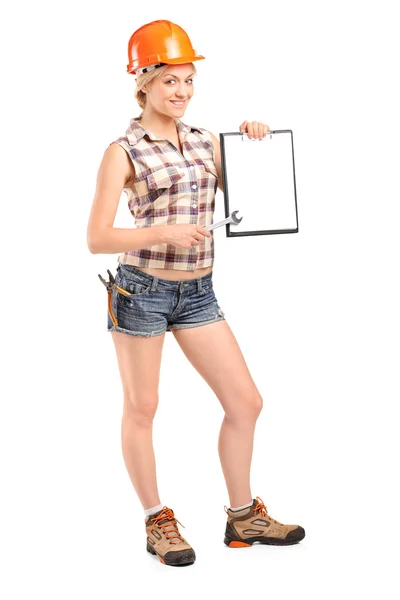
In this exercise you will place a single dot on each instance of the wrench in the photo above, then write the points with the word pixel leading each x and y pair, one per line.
pixel 231 219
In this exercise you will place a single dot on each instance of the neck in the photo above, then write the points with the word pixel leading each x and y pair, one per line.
pixel 157 122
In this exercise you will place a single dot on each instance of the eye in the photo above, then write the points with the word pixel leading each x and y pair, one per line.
pixel 190 79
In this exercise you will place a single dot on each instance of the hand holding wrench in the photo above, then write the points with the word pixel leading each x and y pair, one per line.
pixel 231 219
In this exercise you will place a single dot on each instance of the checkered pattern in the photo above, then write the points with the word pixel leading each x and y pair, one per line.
pixel 171 188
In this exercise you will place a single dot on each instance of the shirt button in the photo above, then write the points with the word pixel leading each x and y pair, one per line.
pixel 194 187
pixel 194 205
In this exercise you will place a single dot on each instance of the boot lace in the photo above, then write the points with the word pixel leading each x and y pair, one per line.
pixel 167 515
pixel 262 509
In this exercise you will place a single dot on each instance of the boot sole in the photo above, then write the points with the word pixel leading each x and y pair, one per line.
pixel 263 540
pixel 182 561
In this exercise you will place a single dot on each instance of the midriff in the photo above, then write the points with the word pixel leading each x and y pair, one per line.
pixel 175 274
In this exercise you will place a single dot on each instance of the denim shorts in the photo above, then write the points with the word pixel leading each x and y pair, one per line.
pixel 158 305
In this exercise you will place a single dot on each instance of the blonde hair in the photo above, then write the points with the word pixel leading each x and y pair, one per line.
pixel 144 78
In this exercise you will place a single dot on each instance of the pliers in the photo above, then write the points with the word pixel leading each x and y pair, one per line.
pixel 110 285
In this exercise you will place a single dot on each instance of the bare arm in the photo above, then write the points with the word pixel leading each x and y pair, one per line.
pixel 102 237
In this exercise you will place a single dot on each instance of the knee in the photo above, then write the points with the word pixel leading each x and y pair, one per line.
pixel 140 409
pixel 246 410
pixel 254 407
pixel 257 405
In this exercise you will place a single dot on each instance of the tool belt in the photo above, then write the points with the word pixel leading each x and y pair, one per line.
pixel 110 285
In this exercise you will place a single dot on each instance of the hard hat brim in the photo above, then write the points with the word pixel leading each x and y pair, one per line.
pixel 170 61
pixel 183 60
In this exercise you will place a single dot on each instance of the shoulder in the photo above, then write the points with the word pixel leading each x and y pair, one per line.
pixel 207 135
pixel 118 157
pixel 122 141
pixel 117 149
pixel 212 139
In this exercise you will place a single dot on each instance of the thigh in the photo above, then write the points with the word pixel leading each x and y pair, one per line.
pixel 139 361
pixel 214 352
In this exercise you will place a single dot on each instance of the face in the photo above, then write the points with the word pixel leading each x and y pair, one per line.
pixel 176 84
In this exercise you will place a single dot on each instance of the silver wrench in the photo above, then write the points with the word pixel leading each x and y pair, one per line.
pixel 231 219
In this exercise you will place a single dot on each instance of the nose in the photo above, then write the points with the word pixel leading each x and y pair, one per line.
pixel 181 91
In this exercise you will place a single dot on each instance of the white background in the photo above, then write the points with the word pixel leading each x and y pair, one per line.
pixel 315 313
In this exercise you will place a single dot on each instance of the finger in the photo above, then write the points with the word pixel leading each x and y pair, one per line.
pixel 250 129
pixel 200 237
pixel 255 129
pixel 204 231
pixel 260 129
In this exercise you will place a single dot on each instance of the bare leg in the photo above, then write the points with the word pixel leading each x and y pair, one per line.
pixel 214 352
pixel 139 360
pixel 235 448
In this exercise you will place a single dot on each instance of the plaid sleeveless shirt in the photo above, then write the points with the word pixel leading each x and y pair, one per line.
pixel 170 188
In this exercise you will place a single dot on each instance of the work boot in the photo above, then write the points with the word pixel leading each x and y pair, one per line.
pixel 165 541
pixel 254 524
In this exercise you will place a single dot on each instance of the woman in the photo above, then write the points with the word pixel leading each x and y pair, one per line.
pixel 170 172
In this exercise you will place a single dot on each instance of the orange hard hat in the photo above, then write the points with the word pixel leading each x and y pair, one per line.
pixel 158 43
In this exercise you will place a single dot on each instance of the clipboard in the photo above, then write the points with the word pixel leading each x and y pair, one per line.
pixel 259 182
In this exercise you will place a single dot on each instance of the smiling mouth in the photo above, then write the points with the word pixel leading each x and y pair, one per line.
pixel 180 103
